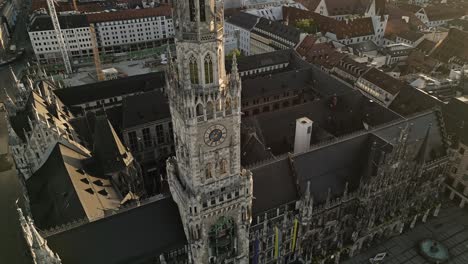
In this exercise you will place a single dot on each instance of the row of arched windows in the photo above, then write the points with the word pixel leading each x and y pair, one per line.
pixel 193 11
pixel 208 66
pixel 210 108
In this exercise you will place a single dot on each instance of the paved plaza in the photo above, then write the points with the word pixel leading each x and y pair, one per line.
pixel 450 228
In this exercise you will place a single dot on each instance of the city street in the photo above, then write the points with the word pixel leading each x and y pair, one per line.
pixel 450 228
pixel 12 245
pixel 21 40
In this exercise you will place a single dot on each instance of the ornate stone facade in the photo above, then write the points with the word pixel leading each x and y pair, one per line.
pixel 213 193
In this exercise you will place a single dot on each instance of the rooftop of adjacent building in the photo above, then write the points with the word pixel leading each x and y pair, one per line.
pixel 442 12
pixel 244 20
pixel 275 28
pixel 82 94
pixel 144 109
pixel 347 28
pixel 72 20
pixel 452 46
pixel 43 23
pixel 328 171
pixel 383 81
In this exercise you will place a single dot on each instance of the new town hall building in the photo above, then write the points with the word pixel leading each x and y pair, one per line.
pixel 319 181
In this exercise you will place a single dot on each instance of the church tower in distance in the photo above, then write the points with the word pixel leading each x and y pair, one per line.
pixel 213 193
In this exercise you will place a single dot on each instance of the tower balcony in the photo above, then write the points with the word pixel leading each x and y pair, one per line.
pixel 202 37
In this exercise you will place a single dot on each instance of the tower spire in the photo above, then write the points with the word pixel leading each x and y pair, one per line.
pixel 40 251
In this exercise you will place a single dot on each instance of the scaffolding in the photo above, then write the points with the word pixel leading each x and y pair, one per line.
pixel 59 36
pixel 97 59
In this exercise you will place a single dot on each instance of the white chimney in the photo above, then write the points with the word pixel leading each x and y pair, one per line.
pixel 303 133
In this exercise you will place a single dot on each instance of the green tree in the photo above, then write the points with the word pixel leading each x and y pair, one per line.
pixel 231 54
pixel 306 25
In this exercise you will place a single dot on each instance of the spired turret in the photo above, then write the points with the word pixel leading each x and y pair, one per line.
pixel 40 252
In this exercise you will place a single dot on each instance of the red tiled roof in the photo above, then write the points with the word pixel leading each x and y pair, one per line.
pixel 319 53
pixel 343 29
pixel 426 46
pixel 309 4
pixel 383 80
pixel 127 14
pixel 340 7
pixel 307 43
pixel 454 45
pixel 442 12
pixel 395 22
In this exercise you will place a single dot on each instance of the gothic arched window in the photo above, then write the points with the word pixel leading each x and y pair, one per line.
pixel 202 10
pixel 193 66
pixel 199 109
pixel 192 10
pixel 223 166
pixel 208 170
pixel 208 69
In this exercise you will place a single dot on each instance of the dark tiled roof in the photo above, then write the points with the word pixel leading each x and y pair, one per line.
pixel 108 149
pixel 383 80
pixel 275 83
pixel 309 79
pixel 327 168
pixel 277 29
pixel 134 236
pixel 42 23
pixel 365 46
pixel 273 185
pixel 454 45
pixel 253 150
pixel 53 199
pixel 426 46
pixel 347 115
pixel 244 20
pixel 410 35
pixel 246 63
pixel 101 90
pixel 144 108
pixel 411 100
pixel 127 14
pixel 456 119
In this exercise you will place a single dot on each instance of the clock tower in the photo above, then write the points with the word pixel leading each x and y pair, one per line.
pixel 212 191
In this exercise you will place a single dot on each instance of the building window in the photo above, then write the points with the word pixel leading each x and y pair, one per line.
pixel 223 166
pixel 146 137
pixel 193 70
pixel 160 134
pixel 208 170
pixel 133 140
pixel 202 10
pixel 192 10
pixel 208 69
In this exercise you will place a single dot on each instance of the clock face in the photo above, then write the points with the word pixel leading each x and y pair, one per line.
pixel 215 135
